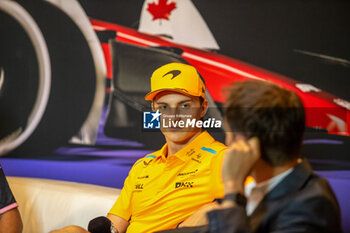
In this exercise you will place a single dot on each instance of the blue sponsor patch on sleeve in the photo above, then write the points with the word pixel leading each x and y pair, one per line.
pixel 209 150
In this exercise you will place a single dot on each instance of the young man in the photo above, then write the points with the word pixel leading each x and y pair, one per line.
pixel 265 131
pixel 169 185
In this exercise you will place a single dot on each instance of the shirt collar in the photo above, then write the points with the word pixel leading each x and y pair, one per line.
pixel 202 139
pixel 267 185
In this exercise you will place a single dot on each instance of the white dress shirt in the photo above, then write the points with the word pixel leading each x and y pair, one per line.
pixel 256 192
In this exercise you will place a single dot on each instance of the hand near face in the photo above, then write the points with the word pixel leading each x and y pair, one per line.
pixel 239 160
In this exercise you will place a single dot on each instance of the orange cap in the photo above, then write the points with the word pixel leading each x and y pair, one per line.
pixel 176 77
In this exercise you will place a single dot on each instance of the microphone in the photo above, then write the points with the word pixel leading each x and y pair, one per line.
pixel 101 225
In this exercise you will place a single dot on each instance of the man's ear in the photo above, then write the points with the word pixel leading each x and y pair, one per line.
pixel 204 108
pixel 153 108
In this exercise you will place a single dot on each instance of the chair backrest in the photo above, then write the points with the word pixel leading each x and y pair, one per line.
pixel 46 205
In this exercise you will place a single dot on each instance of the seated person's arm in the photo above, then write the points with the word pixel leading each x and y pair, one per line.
pixel 118 222
pixel 10 222
pixel 71 229
pixel 10 219
pixel 238 161
pixel 199 218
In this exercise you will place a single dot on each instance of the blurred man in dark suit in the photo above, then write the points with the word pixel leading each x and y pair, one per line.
pixel 265 127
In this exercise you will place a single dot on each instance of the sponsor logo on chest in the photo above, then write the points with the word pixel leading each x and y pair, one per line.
pixel 139 186
pixel 188 184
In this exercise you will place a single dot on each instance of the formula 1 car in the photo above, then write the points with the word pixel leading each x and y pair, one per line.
pixel 57 66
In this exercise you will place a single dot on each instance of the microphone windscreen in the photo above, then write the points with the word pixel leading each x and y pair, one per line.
pixel 100 225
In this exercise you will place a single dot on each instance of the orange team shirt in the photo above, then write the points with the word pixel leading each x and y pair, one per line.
pixel 161 192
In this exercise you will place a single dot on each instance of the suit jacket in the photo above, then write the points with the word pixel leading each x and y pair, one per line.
pixel 302 202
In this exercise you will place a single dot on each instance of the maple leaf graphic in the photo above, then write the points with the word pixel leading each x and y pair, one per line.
pixel 161 10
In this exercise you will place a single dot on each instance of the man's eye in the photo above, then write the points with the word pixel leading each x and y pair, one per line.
pixel 185 106
pixel 162 107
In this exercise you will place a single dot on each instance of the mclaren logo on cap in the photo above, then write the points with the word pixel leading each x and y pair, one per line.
pixel 174 73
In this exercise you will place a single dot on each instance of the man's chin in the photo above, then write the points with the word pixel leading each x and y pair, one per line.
pixel 178 136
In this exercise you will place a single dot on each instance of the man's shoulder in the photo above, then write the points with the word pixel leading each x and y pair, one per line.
pixel 214 148
pixel 313 205
pixel 303 185
pixel 317 188
pixel 219 145
pixel 315 197
pixel 148 158
pixel 317 203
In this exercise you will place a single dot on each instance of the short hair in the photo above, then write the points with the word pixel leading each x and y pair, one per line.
pixel 271 113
